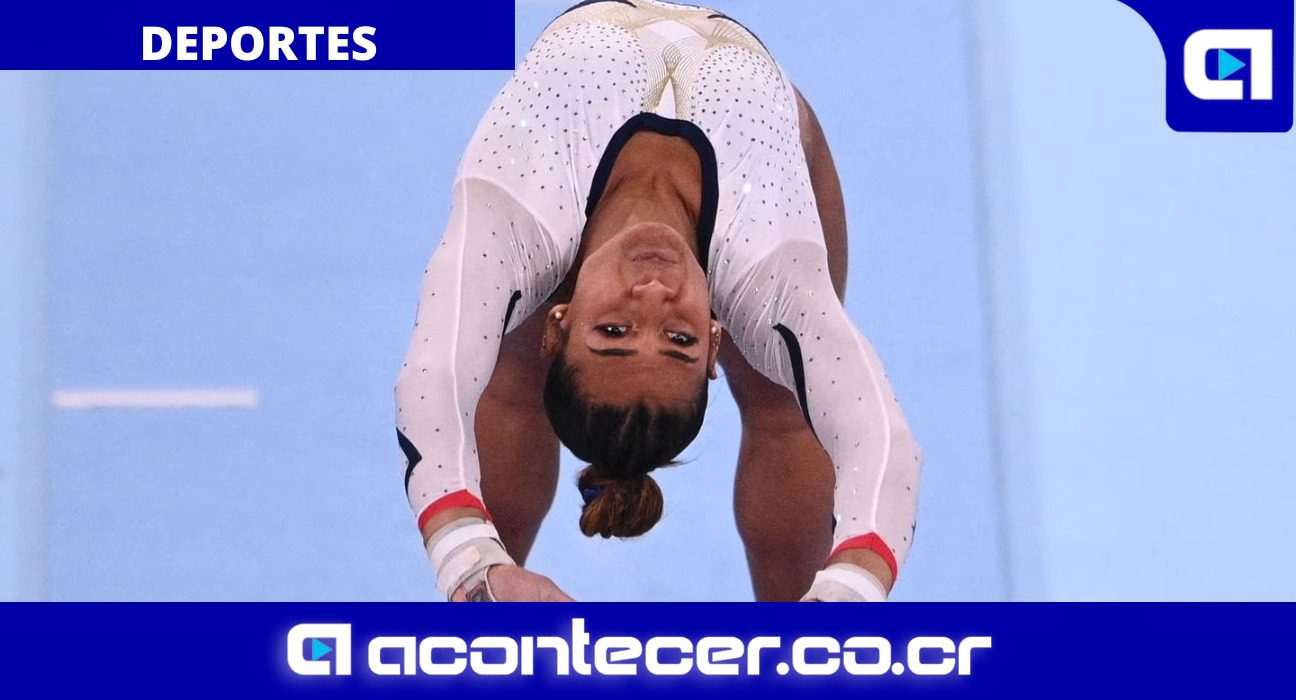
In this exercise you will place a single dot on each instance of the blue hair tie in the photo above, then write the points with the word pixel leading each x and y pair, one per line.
pixel 590 493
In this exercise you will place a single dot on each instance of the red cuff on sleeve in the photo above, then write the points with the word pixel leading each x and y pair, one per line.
pixel 458 499
pixel 873 543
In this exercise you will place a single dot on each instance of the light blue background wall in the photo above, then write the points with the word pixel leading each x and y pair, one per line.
pixel 22 207
pixel 1144 298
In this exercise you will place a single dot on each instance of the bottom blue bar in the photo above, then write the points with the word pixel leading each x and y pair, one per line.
pixel 359 649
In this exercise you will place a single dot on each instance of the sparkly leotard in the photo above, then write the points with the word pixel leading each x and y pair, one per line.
pixel 533 173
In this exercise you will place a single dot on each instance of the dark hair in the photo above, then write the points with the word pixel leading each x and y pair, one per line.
pixel 622 444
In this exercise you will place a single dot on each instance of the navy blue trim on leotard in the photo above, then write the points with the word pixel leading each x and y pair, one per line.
pixel 508 315
pixel 798 370
pixel 721 15
pixel 687 130
pixel 412 456
pixel 594 2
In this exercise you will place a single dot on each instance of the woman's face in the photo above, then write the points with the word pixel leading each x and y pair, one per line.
pixel 639 323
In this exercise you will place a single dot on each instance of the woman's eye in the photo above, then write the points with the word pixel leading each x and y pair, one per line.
pixel 613 330
pixel 682 339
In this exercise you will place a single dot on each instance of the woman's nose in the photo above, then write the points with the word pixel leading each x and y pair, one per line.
pixel 653 290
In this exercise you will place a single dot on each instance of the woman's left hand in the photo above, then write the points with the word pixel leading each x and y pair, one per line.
pixel 513 584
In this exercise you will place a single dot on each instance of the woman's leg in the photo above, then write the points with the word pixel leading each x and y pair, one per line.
pixel 828 194
pixel 784 487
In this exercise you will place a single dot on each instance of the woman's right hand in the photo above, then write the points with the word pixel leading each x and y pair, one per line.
pixel 513 584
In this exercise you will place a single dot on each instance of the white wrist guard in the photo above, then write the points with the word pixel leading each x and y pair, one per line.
pixel 462 551
pixel 846 583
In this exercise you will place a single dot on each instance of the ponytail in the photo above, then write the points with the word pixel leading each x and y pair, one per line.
pixel 618 507
pixel 622 444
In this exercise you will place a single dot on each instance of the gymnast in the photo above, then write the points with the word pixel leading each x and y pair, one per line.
pixel 647 198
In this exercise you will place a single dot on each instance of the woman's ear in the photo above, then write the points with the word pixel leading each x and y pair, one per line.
pixel 713 351
pixel 555 330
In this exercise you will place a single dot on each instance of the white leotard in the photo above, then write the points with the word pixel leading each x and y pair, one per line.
pixel 533 171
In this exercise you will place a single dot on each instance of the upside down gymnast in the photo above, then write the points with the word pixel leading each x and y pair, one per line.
pixel 648 197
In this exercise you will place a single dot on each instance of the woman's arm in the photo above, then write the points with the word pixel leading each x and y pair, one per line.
pixel 791 501
pixel 832 215
pixel 518 451
pixel 480 282
pixel 805 344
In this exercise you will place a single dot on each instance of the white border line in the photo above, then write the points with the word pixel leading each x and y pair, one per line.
pixel 90 399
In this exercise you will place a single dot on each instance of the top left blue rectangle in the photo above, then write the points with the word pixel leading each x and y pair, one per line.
pixel 238 34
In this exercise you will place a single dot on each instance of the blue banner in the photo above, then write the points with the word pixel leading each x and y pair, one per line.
pixel 343 650
pixel 238 34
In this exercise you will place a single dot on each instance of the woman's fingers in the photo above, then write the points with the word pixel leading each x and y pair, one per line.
pixel 517 585
pixel 556 595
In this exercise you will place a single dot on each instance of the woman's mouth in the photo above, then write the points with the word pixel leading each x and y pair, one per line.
pixel 654 244
pixel 656 257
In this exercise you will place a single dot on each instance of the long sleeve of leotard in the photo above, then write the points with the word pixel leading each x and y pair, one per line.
pixel 786 318
pixel 492 269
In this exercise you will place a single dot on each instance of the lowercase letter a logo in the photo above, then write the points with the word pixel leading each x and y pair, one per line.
pixel 320 650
